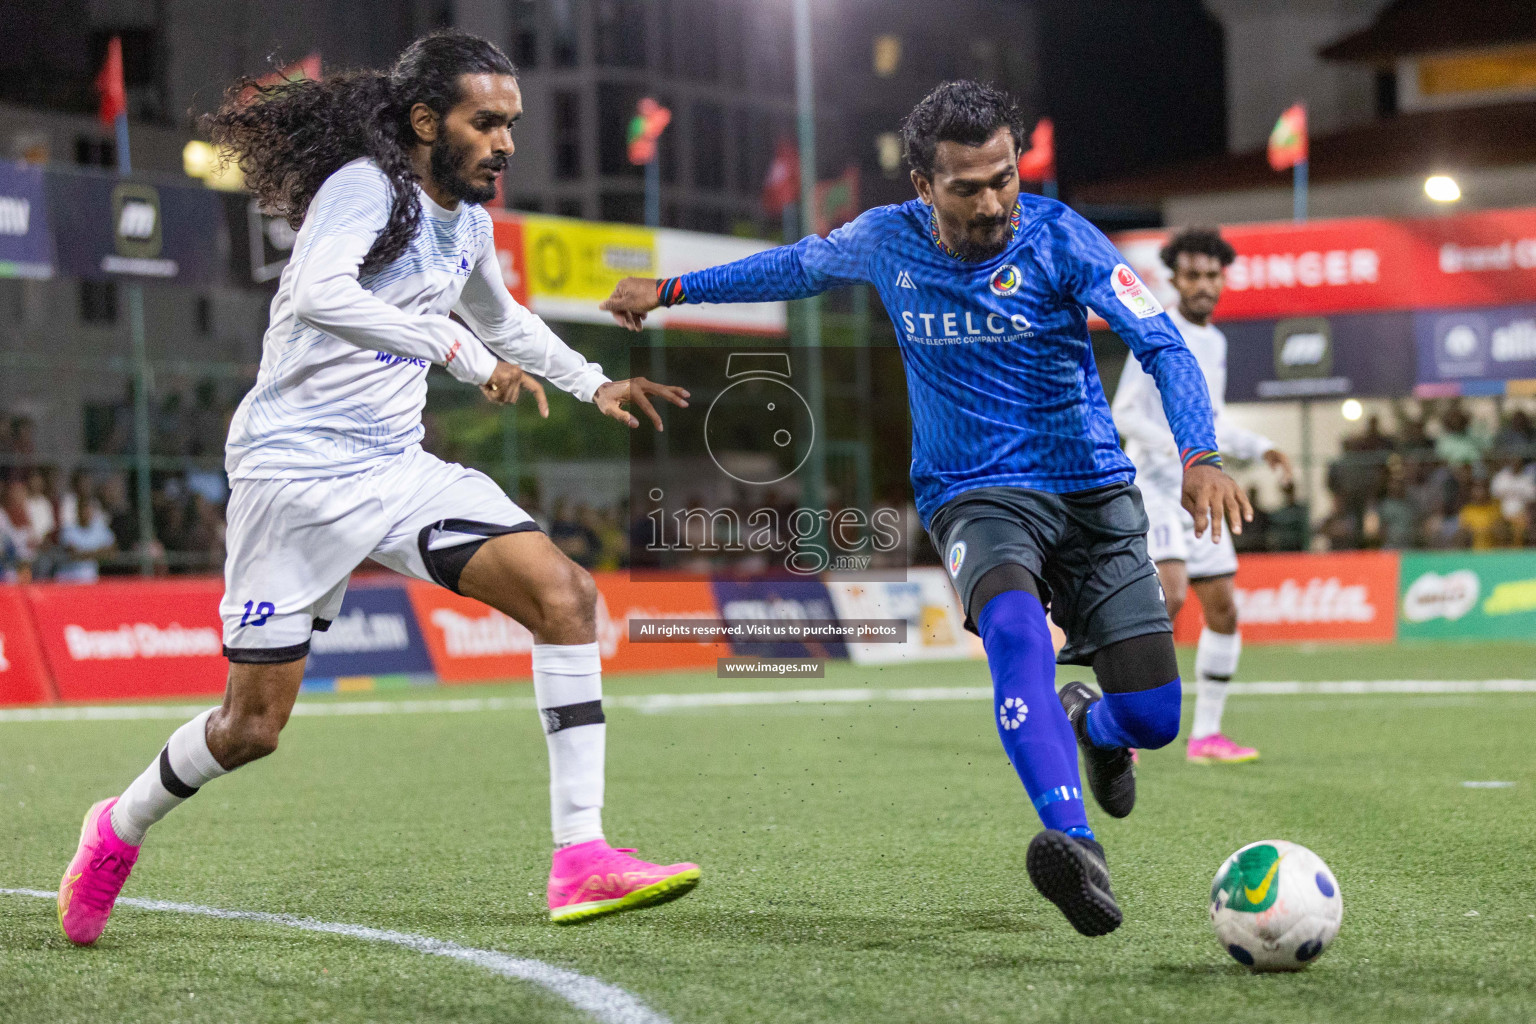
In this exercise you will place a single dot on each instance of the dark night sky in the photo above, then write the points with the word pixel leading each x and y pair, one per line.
pixel 1131 84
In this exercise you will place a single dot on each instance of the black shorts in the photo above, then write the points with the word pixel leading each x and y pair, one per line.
pixel 1087 551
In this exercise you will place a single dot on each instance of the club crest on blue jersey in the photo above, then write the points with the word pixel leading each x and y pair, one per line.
pixel 956 557
pixel 1006 281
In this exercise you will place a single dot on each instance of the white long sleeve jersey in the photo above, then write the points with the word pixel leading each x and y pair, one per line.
pixel 344 361
pixel 1139 415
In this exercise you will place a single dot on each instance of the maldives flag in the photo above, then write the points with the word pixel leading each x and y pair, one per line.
pixel 109 84
pixel 1288 142
pixel 1038 163
pixel 837 201
pixel 782 186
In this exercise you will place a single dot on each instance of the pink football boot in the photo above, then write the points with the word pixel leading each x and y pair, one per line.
pixel 1217 749
pixel 94 878
pixel 591 879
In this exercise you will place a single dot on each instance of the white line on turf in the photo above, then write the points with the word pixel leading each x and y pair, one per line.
pixel 605 1002
pixel 661 703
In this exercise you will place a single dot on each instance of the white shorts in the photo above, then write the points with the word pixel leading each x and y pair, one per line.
pixel 1171 537
pixel 294 543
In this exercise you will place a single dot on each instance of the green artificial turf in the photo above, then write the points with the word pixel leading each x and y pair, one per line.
pixel 863 862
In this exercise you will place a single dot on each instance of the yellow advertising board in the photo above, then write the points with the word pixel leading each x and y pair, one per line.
pixel 581 261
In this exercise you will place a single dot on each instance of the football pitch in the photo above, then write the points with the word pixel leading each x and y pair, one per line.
pixel 863 859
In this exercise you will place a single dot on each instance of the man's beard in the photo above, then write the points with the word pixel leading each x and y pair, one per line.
pixel 446 162
pixel 979 252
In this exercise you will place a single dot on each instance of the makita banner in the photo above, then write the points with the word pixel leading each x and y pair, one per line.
pixel 1347 595
pixel 1362 264
pixel 375 634
pixel 469 641
pixel 108 227
pixel 26 246
pixel 131 640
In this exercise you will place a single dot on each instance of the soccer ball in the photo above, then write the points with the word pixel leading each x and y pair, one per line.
pixel 1275 906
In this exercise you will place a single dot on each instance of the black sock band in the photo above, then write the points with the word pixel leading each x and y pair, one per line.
pixel 168 778
pixel 569 716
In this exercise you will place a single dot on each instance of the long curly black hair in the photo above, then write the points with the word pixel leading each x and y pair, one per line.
pixel 289 137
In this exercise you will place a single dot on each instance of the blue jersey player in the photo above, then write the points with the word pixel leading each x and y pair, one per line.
pixel 1019 476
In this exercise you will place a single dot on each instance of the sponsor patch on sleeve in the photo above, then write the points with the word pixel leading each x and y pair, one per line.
pixel 1133 294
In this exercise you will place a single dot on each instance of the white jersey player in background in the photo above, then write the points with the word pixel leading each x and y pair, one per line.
pixel 387 173
pixel 1197 257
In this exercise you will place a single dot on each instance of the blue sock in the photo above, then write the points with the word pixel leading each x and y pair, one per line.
pixel 1147 719
pixel 1034 730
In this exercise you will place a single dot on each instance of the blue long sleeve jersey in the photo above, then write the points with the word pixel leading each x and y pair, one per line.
pixel 999 362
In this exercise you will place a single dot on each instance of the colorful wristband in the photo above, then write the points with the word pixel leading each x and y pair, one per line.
pixel 1201 457
pixel 669 291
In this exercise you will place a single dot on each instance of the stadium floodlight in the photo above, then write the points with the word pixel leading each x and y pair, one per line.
pixel 1352 409
pixel 1442 188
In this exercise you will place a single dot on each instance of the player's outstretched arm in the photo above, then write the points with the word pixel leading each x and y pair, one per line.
pixel 809 267
pixel 1210 495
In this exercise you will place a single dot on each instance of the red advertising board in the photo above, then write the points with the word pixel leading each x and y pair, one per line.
pixel 1363 264
pixel 507 235
pixel 471 642
pixel 23 674
pixel 1348 596
pixel 124 641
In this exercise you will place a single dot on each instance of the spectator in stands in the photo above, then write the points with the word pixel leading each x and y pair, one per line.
pixel 84 533
pixel 1373 440
pixel 1481 520
pixel 205 423
pixel 1514 488
pixel 1340 531
pixel 572 536
pixel 205 533
pixel 42 481
pixel 19 445
pixel 1393 521
pixel 1255 535
pixel 1517 436
pixel 1290 525
pixel 1461 441
pixel 15 532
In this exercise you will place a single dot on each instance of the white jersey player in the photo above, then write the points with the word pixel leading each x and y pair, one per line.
pixel 1197 258
pixel 324 454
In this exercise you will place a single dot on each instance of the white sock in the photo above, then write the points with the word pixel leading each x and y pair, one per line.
pixel 1215 665
pixel 184 764
pixel 568 687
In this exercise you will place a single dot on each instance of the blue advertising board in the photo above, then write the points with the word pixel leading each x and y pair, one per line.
pixel 375 634
pixel 26 245
pixel 775 598
pixel 1475 351
pixel 109 227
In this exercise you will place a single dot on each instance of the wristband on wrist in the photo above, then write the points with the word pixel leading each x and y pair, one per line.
pixel 669 291
pixel 1201 457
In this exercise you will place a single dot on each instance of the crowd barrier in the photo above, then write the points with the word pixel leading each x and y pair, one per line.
pixel 135 640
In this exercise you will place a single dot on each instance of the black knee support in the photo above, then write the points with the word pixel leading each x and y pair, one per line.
pixel 1138 663
pixel 446 565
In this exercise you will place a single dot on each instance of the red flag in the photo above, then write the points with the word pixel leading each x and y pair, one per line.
pixel 1038 163
pixel 782 186
pixel 1288 141
pixel 650 120
pixel 837 201
pixel 109 84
